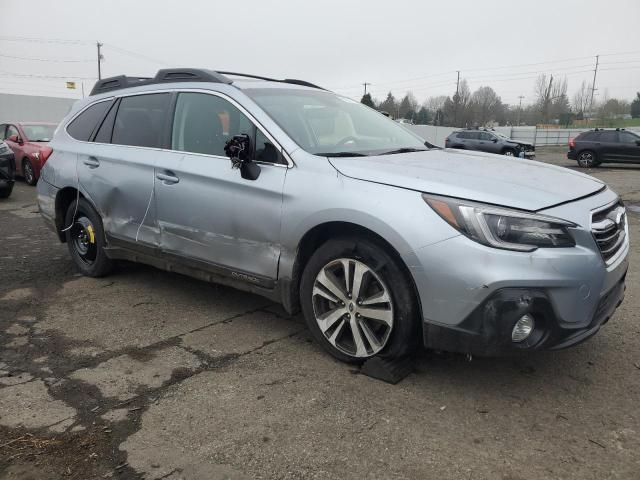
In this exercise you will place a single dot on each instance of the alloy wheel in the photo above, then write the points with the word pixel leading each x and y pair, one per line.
pixel 508 153
pixel 28 172
pixel 585 159
pixel 353 307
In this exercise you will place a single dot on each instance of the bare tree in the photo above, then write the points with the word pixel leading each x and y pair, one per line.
pixel 484 104
pixel 581 98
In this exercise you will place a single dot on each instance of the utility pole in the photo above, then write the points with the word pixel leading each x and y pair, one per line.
pixel 593 85
pixel 547 101
pixel 365 87
pixel 520 107
pixel 100 58
pixel 455 111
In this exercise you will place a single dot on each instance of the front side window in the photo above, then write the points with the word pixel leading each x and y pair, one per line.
pixel 11 130
pixel 39 133
pixel 140 120
pixel 486 136
pixel 627 137
pixel 83 125
pixel 3 129
pixel 323 123
pixel 204 123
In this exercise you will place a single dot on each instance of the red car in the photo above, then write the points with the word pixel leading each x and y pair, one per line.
pixel 29 142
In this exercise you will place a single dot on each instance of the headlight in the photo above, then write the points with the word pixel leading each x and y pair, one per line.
pixel 502 227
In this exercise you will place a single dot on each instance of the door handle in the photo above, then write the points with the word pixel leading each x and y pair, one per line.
pixel 168 178
pixel 91 162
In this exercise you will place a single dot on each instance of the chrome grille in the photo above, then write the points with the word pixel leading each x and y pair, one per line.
pixel 609 228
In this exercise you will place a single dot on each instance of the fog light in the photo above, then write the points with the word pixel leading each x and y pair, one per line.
pixel 522 328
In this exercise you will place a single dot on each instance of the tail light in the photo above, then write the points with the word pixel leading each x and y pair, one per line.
pixel 572 143
pixel 45 153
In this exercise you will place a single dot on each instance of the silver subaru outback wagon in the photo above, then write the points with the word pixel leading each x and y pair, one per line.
pixel 315 201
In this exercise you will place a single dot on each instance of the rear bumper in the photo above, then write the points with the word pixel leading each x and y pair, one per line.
pixel 572 155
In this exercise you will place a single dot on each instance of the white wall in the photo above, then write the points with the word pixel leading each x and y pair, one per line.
pixel 537 136
pixel 30 108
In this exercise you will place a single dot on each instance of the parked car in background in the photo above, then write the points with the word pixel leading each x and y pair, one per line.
pixel 598 146
pixel 7 170
pixel 30 144
pixel 489 141
pixel 318 202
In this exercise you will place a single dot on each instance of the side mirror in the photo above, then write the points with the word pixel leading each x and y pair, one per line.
pixel 494 140
pixel 15 139
pixel 637 142
pixel 238 149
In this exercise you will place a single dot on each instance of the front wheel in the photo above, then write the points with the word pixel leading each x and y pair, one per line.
pixel 509 152
pixel 85 239
pixel 28 172
pixel 587 159
pixel 358 302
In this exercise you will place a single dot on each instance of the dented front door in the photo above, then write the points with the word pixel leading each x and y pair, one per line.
pixel 207 212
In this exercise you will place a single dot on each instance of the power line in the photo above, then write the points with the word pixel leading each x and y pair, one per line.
pixel 28 75
pixel 54 60
pixel 134 54
pixel 61 41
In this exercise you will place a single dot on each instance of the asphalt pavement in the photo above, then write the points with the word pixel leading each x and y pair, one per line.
pixel 149 374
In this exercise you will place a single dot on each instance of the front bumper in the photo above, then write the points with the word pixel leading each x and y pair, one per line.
pixel 472 295
pixel 487 331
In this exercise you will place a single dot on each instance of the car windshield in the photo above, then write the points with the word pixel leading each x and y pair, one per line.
pixel 39 133
pixel 323 123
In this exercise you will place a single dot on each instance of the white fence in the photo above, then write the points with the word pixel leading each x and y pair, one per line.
pixel 537 136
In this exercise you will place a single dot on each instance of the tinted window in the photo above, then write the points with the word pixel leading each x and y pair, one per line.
pixel 84 124
pixel 204 123
pixel 485 136
pixel 608 137
pixel 627 137
pixel 105 130
pixel 473 135
pixel 265 150
pixel 588 136
pixel 141 119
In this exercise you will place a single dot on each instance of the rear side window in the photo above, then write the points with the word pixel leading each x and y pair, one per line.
pixel 105 130
pixel 84 124
pixel 611 137
pixel 140 120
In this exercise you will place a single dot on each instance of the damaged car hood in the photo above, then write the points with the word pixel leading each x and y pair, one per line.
pixel 478 176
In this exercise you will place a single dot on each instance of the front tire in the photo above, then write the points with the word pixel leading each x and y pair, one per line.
pixel 588 159
pixel 509 152
pixel 6 190
pixel 85 239
pixel 358 302
pixel 28 172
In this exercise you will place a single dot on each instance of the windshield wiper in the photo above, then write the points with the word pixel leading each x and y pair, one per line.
pixel 343 154
pixel 403 150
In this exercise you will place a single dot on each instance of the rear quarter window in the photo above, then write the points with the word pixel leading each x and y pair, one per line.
pixel 84 124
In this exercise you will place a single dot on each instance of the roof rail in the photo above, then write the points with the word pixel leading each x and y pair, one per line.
pixel 169 75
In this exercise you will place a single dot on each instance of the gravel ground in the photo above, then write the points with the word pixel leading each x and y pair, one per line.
pixel 147 374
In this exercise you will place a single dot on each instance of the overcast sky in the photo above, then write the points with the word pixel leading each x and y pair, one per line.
pixel 395 45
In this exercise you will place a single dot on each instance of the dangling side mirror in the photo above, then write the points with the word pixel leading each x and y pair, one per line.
pixel 238 149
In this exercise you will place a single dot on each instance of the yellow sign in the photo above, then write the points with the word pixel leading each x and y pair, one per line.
pixel 71 85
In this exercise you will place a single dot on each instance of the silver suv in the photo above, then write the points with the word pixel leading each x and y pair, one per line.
pixel 316 201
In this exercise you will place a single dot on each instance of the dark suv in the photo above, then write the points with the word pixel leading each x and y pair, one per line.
pixel 592 148
pixel 489 141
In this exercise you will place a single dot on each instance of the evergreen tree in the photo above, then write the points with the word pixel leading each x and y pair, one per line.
pixel 389 105
pixel 368 101
pixel 635 107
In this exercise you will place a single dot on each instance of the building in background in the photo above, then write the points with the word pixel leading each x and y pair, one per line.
pixel 32 108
